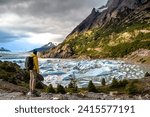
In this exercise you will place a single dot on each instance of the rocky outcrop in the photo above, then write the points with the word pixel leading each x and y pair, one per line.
pixel 60 51
pixel 139 56
pixel 113 9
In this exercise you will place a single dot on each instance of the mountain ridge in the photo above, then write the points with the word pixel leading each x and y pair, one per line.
pixel 113 30
pixel 45 47
pixel 4 49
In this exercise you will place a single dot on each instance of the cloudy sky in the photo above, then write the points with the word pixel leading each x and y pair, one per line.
pixel 27 24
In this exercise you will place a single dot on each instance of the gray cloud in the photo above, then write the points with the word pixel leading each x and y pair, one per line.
pixel 8 37
pixel 53 16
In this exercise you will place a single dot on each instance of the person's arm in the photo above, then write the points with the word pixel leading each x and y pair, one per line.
pixel 36 63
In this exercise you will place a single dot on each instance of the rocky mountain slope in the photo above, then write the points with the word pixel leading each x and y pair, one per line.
pixel 114 30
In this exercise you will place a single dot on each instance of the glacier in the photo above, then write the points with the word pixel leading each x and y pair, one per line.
pixel 61 71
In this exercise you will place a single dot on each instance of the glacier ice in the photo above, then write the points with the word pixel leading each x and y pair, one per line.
pixel 62 70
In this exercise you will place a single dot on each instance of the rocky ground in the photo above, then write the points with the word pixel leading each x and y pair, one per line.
pixel 141 56
pixel 6 95
pixel 13 92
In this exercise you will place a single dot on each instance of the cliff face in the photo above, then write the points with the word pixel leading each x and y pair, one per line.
pixel 114 9
pixel 106 29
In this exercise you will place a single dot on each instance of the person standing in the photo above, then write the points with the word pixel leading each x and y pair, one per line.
pixel 33 73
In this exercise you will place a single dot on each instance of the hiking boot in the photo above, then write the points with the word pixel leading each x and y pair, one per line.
pixel 29 93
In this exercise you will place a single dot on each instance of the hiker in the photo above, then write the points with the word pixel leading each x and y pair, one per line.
pixel 33 73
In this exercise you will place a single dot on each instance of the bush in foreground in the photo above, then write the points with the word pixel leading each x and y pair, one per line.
pixel 60 89
pixel 123 83
pixel 147 74
pixel 131 88
pixel 50 89
pixel 72 86
pixel 114 84
pixel 91 87
pixel 103 82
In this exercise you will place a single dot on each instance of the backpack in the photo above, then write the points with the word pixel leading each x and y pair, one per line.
pixel 29 63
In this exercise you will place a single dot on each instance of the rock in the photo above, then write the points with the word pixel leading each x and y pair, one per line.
pixel 83 57
pixel 12 88
pixel 10 96
pixel 64 51
pixel 116 13
pixel 46 95
pixel 113 93
pixel 59 97
pixel 92 95
pixel 55 98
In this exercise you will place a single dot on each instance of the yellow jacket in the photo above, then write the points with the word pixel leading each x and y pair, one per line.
pixel 35 62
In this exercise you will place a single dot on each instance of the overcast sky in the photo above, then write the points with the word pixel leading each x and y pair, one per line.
pixel 27 24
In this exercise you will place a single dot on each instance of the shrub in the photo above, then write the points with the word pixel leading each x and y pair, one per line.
pixel 114 84
pixel 73 83
pixel 50 89
pixel 131 88
pixel 147 74
pixel 12 73
pixel 60 89
pixel 12 80
pixel 9 66
pixel 91 87
pixel 39 85
pixel 103 82
pixel 72 86
pixel 123 83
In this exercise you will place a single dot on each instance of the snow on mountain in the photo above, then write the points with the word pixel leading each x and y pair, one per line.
pixel 46 47
pixel 102 9
pixel 4 50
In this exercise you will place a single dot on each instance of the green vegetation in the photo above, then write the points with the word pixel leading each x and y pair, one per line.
pixel 50 89
pixel 103 82
pixel 85 44
pixel 91 87
pixel 147 74
pixel 115 83
pixel 119 84
pixel 131 88
pixel 72 86
pixel 125 48
pixel 123 83
pixel 60 89
pixel 12 73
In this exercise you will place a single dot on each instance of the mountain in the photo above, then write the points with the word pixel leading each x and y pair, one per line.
pixel 4 50
pixel 45 47
pixel 114 30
